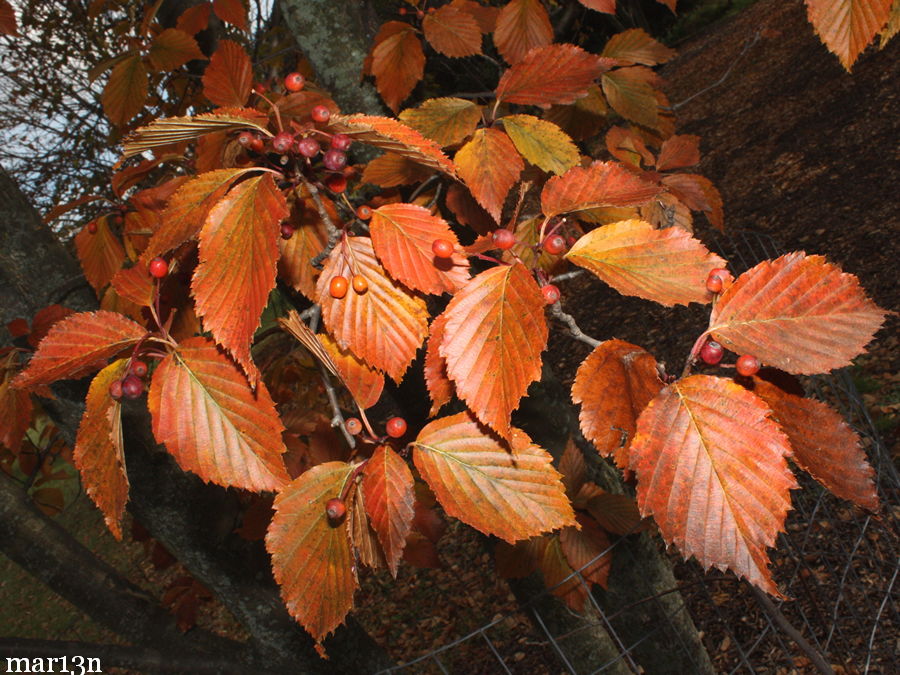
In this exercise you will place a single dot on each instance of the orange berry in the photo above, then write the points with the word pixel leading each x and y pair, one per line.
pixel 335 509
pixel 360 285
pixel 338 287
pixel 353 426
pixel 747 365
pixel 442 248
pixel 395 427
pixel 364 212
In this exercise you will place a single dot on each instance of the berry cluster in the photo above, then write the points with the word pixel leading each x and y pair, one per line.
pixel 132 385
pixel 712 352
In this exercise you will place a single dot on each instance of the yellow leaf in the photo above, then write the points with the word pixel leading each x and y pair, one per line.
pixel 542 143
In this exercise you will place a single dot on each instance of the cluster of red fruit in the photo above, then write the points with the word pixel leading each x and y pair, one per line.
pixel 132 385
pixel 712 352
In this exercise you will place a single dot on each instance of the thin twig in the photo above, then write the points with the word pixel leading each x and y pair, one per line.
pixel 422 187
pixel 334 233
pixel 574 330
pixel 565 276
pixel 724 77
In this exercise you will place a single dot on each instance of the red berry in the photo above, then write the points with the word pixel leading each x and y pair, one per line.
pixel 246 138
pixel 294 82
pixel 334 160
pixel 718 280
pixel 503 239
pixel 335 509
pixel 395 427
pixel 747 365
pixel 115 390
pixel 283 141
pixel 402 11
pixel 364 212
pixel 259 88
pixel 712 352
pixel 158 268
pixel 360 285
pixel 338 287
pixel 287 230
pixel 341 142
pixel 257 145
pixel 132 386
pixel 139 368
pixel 555 244
pixel 353 426
pixel 92 227
pixel 550 293
pixel 336 183
pixel 442 248
pixel 320 114
pixel 308 147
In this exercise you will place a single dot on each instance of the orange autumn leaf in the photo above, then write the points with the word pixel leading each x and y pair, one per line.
pixel 636 46
pixel 126 91
pixel 587 551
pixel 385 325
pixel 605 6
pixel 630 93
pixel 667 266
pixel 403 234
pixel 364 383
pixel 446 121
pixel 210 421
pixel 601 184
pixel 311 556
pixel 799 313
pixel 493 338
pixel 521 26
pixel 229 76
pixel 440 387
pixel 15 408
pixel 613 385
pixel 512 492
pixel 490 165
pixel 238 257
pixel 711 469
pixel 551 74
pixel 172 48
pixel 678 152
pixel 78 345
pixel 848 26
pixel 8 19
pixel 99 448
pixel 698 194
pixel 308 241
pixel 391 170
pixel 194 19
pixel 389 491
pixel 824 444
pixel 398 62
pixel 452 32
pixel 100 253
pixel 134 284
pixel 232 11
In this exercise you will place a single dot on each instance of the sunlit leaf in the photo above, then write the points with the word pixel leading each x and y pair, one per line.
pixel 551 74
pixel 493 339
pixel 177 129
pixel 99 448
pixel 510 492
pixel 383 326
pixel 848 26
pixel 212 423
pixel 403 234
pixel 446 121
pixel 631 94
pixel 78 345
pixel 229 75
pixel 542 143
pixel 711 469
pixel 824 444
pixel 398 62
pixel 636 46
pixel 388 487
pixel 172 48
pixel 601 184
pixel 125 93
pixel 452 32
pixel 388 134
pixel 798 313
pixel 490 165
pixel 238 257
pixel 135 285
pixel 100 253
pixel 232 11
pixel 614 385
pixel 521 26
pixel 311 557
pixel 440 387
pixel 667 266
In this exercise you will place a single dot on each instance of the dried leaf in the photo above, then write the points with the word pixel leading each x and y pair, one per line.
pixel 798 313
pixel 311 557
pixel 446 121
pixel 493 339
pixel 388 488
pixel 521 26
pixel 212 423
pixel 452 32
pixel 229 76
pixel 398 62
pixel 490 165
pixel 848 26
pixel 238 257
pixel 510 492
pixel 542 143
pixel 403 234
pixel 99 448
pixel 636 46
pixel 78 345
pixel 178 129
pixel 125 93
pixel 711 469
pixel 613 385
pixel 551 74
pixel 601 184
pixel 383 326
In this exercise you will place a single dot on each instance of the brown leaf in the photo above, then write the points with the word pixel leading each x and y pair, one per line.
pixel 100 253
pixel 232 11
pixel 452 32
pixel 172 48
pixel 229 76
pixel 125 93
pixel 630 93
pixel 636 46
pixel 521 26
pixel 551 74
pixel 398 62
pixel 363 382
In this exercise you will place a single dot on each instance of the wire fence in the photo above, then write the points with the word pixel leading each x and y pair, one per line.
pixel 838 565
